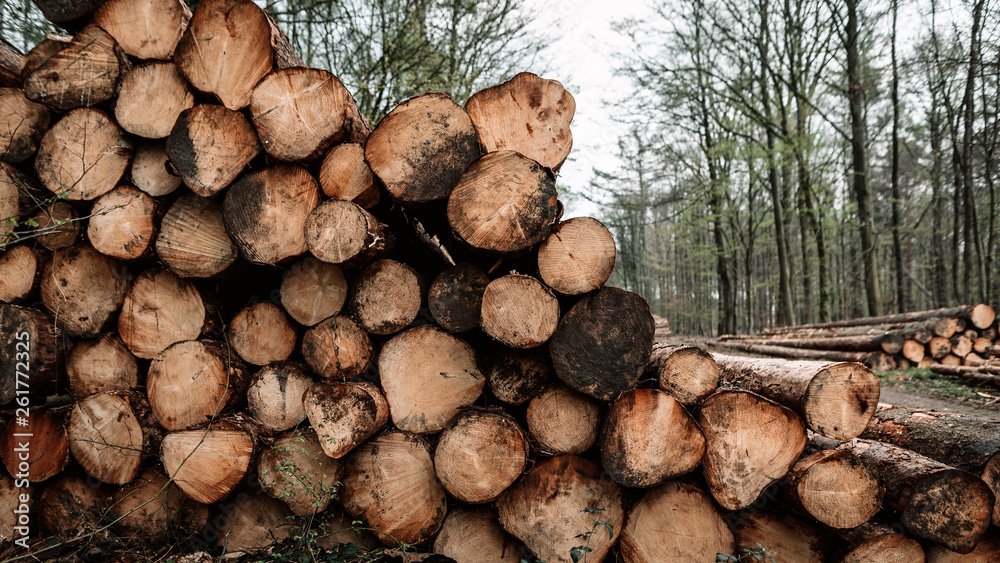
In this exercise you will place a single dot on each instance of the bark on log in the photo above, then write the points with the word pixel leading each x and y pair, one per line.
pixel 345 414
pixel 603 343
pixel 876 543
pixel 835 488
pixel 145 30
pixel 342 232
pixel 868 343
pixel 83 289
pixel 991 476
pixel 261 334
pixel 474 534
pixel 11 63
pixel 578 256
pixel 731 422
pixel 194 381
pixel 455 297
pixel 208 463
pixel 274 397
pixel 36 450
pixel 104 364
pixel 517 376
pixel 519 311
pixel 154 510
pixel 526 114
pixel 209 146
pixel 385 297
pixel 23 123
pixel 160 309
pixel 192 240
pixel 83 155
pixel 265 213
pixel 479 455
pixel 106 439
pixel 345 175
pixel 563 421
pixel 58 225
pixel 68 12
pixel 792 353
pixel 938 503
pixel 785 538
pixel 295 470
pixel 14 201
pixel 428 376
pixel 390 483
pixel 557 500
pixel 312 290
pixel 152 171
pixel 421 148
pixel 835 399
pixel 980 315
pixel 337 349
pixel 151 99
pixel 20 273
pixel 86 72
pixel 122 223
pixel 70 506
pixel 648 437
pixel 675 523
pixel 30 357
pixel 688 373
pixel 503 203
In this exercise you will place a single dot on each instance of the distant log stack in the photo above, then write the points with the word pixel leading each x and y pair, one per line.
pixel 241 306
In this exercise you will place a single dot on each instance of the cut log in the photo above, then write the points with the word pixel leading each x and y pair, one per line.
pixel 972 359
pixel 876 543
pixel 152 97
pixel 479 455
pixel 71 506
pixel 986 551
pixel 675 523
pixel 300 112
pixel 951 360
pixel 209 146
pixel 152 171
pixel 731 422
pixel 390 483
pixel 82 289
pixel 192 382
pixel 987 374
pixel 261 334
pixel 526 114
pixel 962 441
pixel 345 175
pixel 153 510
pixel 688 373
pixel 192 240
pixel 342 232
pixel 145 30
pixel 160 309
pixel 20 274
pixel 30 357
pixel 913 351
pixel 36 450
pixel 337 529
pixel 265 213
pixel 946 327
pixel 563 421
pixel 835 399
pixel 455 297
pixel 866 343
pixel 296 471
pixel 991 476
pixel 892 343
pixel 835 488
pixel 578 256
pixel 223 51
pixel 421 148
pixel 122 223
pixel 603 343
pixel 14 187
pixel 105 364
pixel 786 352
pixel 106 439
pixel 385 298
pixel 312 290
pixel 344 414
pixel 782 538
pixel 337 349
pixel 519 311
pixel 939 347
pixel 981 316
pixel 648 437
pixel 274 398
pixel 961 345
pixel 938 503
pixel 11 498
pixel 68 12
pixel 253 522
pixel 428 376
pixel 517 376
pixel 84 73
pixel 58 225
pixel 475 535
pixel 207 464
pixel 504 203
pixel 22 125
pixel 83 155
pixel 560 498
pixel 982 345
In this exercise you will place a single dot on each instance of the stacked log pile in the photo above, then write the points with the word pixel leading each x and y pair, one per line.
pixel 955 336
pixel 228 301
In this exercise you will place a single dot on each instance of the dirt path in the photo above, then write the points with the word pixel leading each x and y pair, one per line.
pixel 901 396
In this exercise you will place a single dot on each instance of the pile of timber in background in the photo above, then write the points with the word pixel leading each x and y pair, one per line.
pixel 238 304
pixel 956 336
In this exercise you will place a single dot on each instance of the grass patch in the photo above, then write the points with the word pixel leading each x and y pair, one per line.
pixel 926 380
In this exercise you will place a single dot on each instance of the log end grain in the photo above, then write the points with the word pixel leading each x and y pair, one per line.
pixel 578 256
pixel 840 400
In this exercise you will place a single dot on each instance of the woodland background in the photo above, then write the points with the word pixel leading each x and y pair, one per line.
pixel 781 161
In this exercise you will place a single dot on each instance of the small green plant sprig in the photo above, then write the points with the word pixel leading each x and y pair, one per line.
pixel 758 553
pixel 579 553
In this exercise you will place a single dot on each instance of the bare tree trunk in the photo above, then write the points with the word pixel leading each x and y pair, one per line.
pixel 966 161
pixel 897 247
